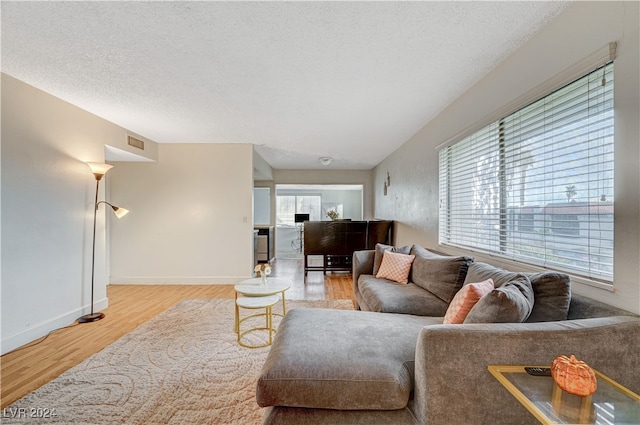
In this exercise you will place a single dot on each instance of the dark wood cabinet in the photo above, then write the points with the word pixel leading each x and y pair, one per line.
pixel 337 240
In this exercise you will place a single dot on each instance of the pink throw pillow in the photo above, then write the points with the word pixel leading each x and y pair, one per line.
pixel 465 299
pixel 395 266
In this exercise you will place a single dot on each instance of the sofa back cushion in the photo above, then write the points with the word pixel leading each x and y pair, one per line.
pixel 585 308
pixel 441 275
pixel 512 302
pixel 551 290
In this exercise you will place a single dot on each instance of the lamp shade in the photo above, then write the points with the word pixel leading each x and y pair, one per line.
pixel 98 169
pixel 120 212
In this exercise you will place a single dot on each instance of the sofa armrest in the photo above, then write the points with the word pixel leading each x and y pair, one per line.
pixel 362 263
pixel 453 385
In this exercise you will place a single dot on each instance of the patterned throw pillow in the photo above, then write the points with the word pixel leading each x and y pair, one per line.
pixel 395 266
pixel 465 299
pixel 379 252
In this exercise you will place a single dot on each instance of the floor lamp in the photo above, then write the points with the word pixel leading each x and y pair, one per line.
pixel 98 171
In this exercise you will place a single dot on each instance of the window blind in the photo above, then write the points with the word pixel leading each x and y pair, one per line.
pixel 537 185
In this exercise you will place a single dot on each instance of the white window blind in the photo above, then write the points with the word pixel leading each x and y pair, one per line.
pixel 537 185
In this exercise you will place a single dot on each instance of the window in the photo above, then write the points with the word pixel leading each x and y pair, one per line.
pixel 537 185
pixel 565 224
pixel 288 206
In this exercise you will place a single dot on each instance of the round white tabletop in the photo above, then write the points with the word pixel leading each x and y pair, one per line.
pixel 253 287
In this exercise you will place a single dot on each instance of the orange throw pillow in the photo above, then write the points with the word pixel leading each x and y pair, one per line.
pixel 395 266
pixel 465 299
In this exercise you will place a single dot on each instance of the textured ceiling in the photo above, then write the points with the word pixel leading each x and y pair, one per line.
pixel 301 80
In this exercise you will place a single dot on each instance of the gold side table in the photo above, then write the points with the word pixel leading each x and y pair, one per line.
pixel 256 303
pixel 252 294
pixel 611 404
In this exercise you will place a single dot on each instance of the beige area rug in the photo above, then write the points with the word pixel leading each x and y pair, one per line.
pixel 182 367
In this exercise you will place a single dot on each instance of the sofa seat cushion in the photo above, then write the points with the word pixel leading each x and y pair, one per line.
pixel 551 290
pixel 341 359
pixel 385 296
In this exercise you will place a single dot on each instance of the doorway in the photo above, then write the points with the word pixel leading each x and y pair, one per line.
pixel 320 202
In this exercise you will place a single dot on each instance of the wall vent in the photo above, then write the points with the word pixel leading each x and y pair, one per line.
pixel 136 143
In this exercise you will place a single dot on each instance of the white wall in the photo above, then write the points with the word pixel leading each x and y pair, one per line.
pixel 362 177
pixel 47 211
pixel 262 206
pixel 262 171
pixel 581 30
pixel 191 217
pixel 351 200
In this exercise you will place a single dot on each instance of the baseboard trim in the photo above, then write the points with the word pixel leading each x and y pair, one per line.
pixel 41 329
pixel 177 280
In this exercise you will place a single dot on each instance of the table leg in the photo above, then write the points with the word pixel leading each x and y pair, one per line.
pixel 306 265
pixel 284 305
pixel 585 410
pixel 236 326
pixel 238 323
pixel 556 398
pixel 270 323
pixel 266 318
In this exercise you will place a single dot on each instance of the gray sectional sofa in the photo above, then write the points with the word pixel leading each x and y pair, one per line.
pixel 399 364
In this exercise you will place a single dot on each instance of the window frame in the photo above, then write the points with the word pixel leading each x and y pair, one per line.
pixel 504 221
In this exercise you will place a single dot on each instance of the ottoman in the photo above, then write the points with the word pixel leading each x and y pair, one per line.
pixel 341 359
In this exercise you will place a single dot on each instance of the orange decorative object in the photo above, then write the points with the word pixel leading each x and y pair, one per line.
pixel 573 376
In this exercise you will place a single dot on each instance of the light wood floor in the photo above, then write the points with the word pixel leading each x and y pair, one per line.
pixel 130 306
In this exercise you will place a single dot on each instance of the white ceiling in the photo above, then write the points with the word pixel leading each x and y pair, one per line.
pixel 301 80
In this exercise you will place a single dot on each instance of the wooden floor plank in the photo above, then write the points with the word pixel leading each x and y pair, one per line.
pixel 130 306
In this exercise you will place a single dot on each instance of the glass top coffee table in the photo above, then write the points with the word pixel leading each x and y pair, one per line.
pixel 611 404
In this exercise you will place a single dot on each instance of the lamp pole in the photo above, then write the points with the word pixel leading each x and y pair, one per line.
pixel 98 170
pixel 93 317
